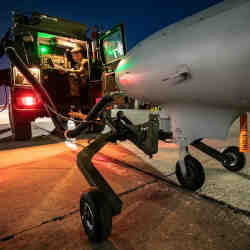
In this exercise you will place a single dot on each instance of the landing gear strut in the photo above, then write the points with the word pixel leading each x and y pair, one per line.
pixel 99 205
pixel 230 158
pixel 190 172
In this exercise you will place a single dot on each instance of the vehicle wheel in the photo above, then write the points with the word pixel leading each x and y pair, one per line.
pixel 96 216
pixel 21 130
pixel 237 159
pixel 195 176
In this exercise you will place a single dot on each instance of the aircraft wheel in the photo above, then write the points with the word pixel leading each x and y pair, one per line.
pixel 195 176
pixel 237 159
pixel 96 216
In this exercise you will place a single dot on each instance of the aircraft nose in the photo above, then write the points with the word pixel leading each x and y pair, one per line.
pixel 124 72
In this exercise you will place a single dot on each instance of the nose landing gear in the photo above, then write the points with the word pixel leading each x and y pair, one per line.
pixel 194 176
pixel 98 206
pixel 190 172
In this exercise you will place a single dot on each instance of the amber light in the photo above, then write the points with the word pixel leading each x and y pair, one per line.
pixel 243 133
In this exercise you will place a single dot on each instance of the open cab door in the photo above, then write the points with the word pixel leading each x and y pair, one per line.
pixel 112 48
pixel 112 45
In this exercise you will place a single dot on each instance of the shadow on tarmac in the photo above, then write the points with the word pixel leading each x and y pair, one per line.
pixel 215 171
pixel 245 176
pixel 107 245
pixel 9 143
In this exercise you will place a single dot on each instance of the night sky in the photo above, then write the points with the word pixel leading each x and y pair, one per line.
pixel 140 20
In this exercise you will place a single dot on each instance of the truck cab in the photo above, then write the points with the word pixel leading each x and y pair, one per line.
pixel 44 43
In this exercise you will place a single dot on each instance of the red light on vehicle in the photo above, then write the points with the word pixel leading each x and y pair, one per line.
pixel 97 100
pixel 28 101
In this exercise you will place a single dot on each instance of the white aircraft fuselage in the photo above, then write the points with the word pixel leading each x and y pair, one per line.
pixel 199 69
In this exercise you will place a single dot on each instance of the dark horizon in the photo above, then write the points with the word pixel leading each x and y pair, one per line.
pixel 140 22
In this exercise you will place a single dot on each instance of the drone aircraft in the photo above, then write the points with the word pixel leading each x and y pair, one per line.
pixel 198 71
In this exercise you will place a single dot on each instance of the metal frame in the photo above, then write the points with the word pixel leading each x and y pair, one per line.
pixel 217 155
pixel 92 175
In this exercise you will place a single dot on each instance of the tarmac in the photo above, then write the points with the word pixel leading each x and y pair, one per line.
pixel 40 187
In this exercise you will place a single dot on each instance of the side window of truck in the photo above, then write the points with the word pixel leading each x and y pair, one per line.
pixel 113 45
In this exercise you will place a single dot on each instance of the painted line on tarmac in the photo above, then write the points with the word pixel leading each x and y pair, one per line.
pixel 173 184
pixel 62 217
pixel 165 178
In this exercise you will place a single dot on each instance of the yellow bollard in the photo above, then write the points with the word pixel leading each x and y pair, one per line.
pixel 243 133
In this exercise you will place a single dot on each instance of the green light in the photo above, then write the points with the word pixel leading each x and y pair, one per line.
pixel 45 35
pixel 44 50
pixel 110 52
pixel 124 65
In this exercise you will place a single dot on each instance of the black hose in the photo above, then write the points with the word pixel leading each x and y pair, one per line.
pixel 93 114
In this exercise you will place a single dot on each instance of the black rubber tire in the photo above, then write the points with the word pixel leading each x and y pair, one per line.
pixel 21 131
pixel 96 216
pixel 238 159
pixel 195 177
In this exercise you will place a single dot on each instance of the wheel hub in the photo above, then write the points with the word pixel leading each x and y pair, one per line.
pixel 87 217
pixel 232 159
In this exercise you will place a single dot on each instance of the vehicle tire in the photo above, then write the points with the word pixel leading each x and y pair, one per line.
pixel 237 159
pixel 195 176
pixel 21 131
pixel 96 216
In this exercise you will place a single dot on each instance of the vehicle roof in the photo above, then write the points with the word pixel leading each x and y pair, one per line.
pixel 52 25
